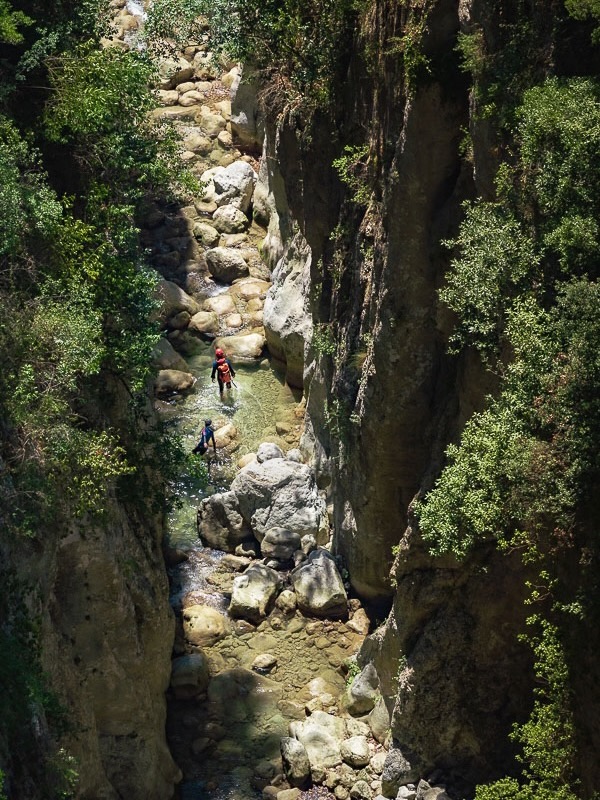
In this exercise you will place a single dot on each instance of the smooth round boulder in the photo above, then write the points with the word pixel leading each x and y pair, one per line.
pixel 235 185
pixel 226 264
pixel 203 625
pixel 205 233
pixel 164 356
pixel 355 751
pixel 229 219
pixel 204 322
pixel 268 450
pixel 220 304
pixel 319 587
pixel 172 381
pixel 242 345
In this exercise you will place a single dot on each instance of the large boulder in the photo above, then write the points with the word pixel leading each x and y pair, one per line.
pixel 235 185
pixel 287 323
pixel 397 771
pixel 172 381
pixel 220 304
pixel 204 322
pixel 254 593
pixel 279 493
pixel 247 127
pixel 229 219
pixel 355 751
pixel 220 523
pixel 173 71
pixel 203 625
pixel 321 734
pixel 226 264
pixel 319 586
pixel 173 300
pixel 164 356
pixel 268 450
pixel 243 345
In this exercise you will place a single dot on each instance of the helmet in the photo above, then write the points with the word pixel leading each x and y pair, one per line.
pixel 208 422
pixel 219 352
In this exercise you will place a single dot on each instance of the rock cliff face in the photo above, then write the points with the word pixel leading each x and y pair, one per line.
pixel 97 591
pixel 383 407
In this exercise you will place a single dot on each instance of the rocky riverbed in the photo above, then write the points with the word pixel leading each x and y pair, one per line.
pixel 266 696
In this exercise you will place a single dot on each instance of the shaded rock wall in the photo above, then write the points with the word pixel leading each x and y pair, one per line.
pixel 382 408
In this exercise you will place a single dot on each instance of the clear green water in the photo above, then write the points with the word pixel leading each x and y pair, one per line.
pixel 259 399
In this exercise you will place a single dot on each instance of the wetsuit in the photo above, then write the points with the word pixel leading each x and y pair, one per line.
pixel 224 371
pixel 206 437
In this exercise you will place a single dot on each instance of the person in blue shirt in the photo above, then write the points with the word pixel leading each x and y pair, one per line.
pixel 206 437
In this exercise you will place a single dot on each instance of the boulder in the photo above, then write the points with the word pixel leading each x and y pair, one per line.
pixel 172 381
pixel 379 721
pixel 286 601
pixel 235 185
pixel 355 751
pixel 279 493
pixel 320 734
pixel 220 523
pixel 211 124
pixel 296 765
pixel 268 450
pixel 197 143
pixel 172 71
pixel 164 356
pixel 251 289
pixel 189 675
pixel 242 345
pixel 396 772
pixel 205 233
pixel 363 692
pixel 204 322
pixel 226 264
pixel 319 586
pixel 279 543
pixel 220 304
pixel 246 124
pixel 173 300
pixel 253 593
pixel 234 321
pixel 229 219
pixel 203 625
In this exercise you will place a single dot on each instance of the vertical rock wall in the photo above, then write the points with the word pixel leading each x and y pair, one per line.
pixel 382 409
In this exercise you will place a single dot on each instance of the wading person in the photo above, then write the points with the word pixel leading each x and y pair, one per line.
pixel 206 436
pixel 223 370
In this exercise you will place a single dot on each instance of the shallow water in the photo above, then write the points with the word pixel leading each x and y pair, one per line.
pixel 258 400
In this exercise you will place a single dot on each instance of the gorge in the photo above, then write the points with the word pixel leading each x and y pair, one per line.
pixel 387 217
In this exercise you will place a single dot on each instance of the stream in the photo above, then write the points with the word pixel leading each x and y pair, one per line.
pixel 227 740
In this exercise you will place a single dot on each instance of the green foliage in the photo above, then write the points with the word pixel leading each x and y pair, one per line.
pixel 323 339
pixel 299 42
pixel 547 738
pixel 10 22
pixel 29 205
pixel 352 170
pixel 497 261
pixel 585 9
pixel 172 25
pixel 524 285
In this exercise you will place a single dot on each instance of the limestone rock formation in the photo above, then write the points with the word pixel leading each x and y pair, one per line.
pixel 319 586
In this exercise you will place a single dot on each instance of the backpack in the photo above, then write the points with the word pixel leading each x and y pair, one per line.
pixel 223 368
